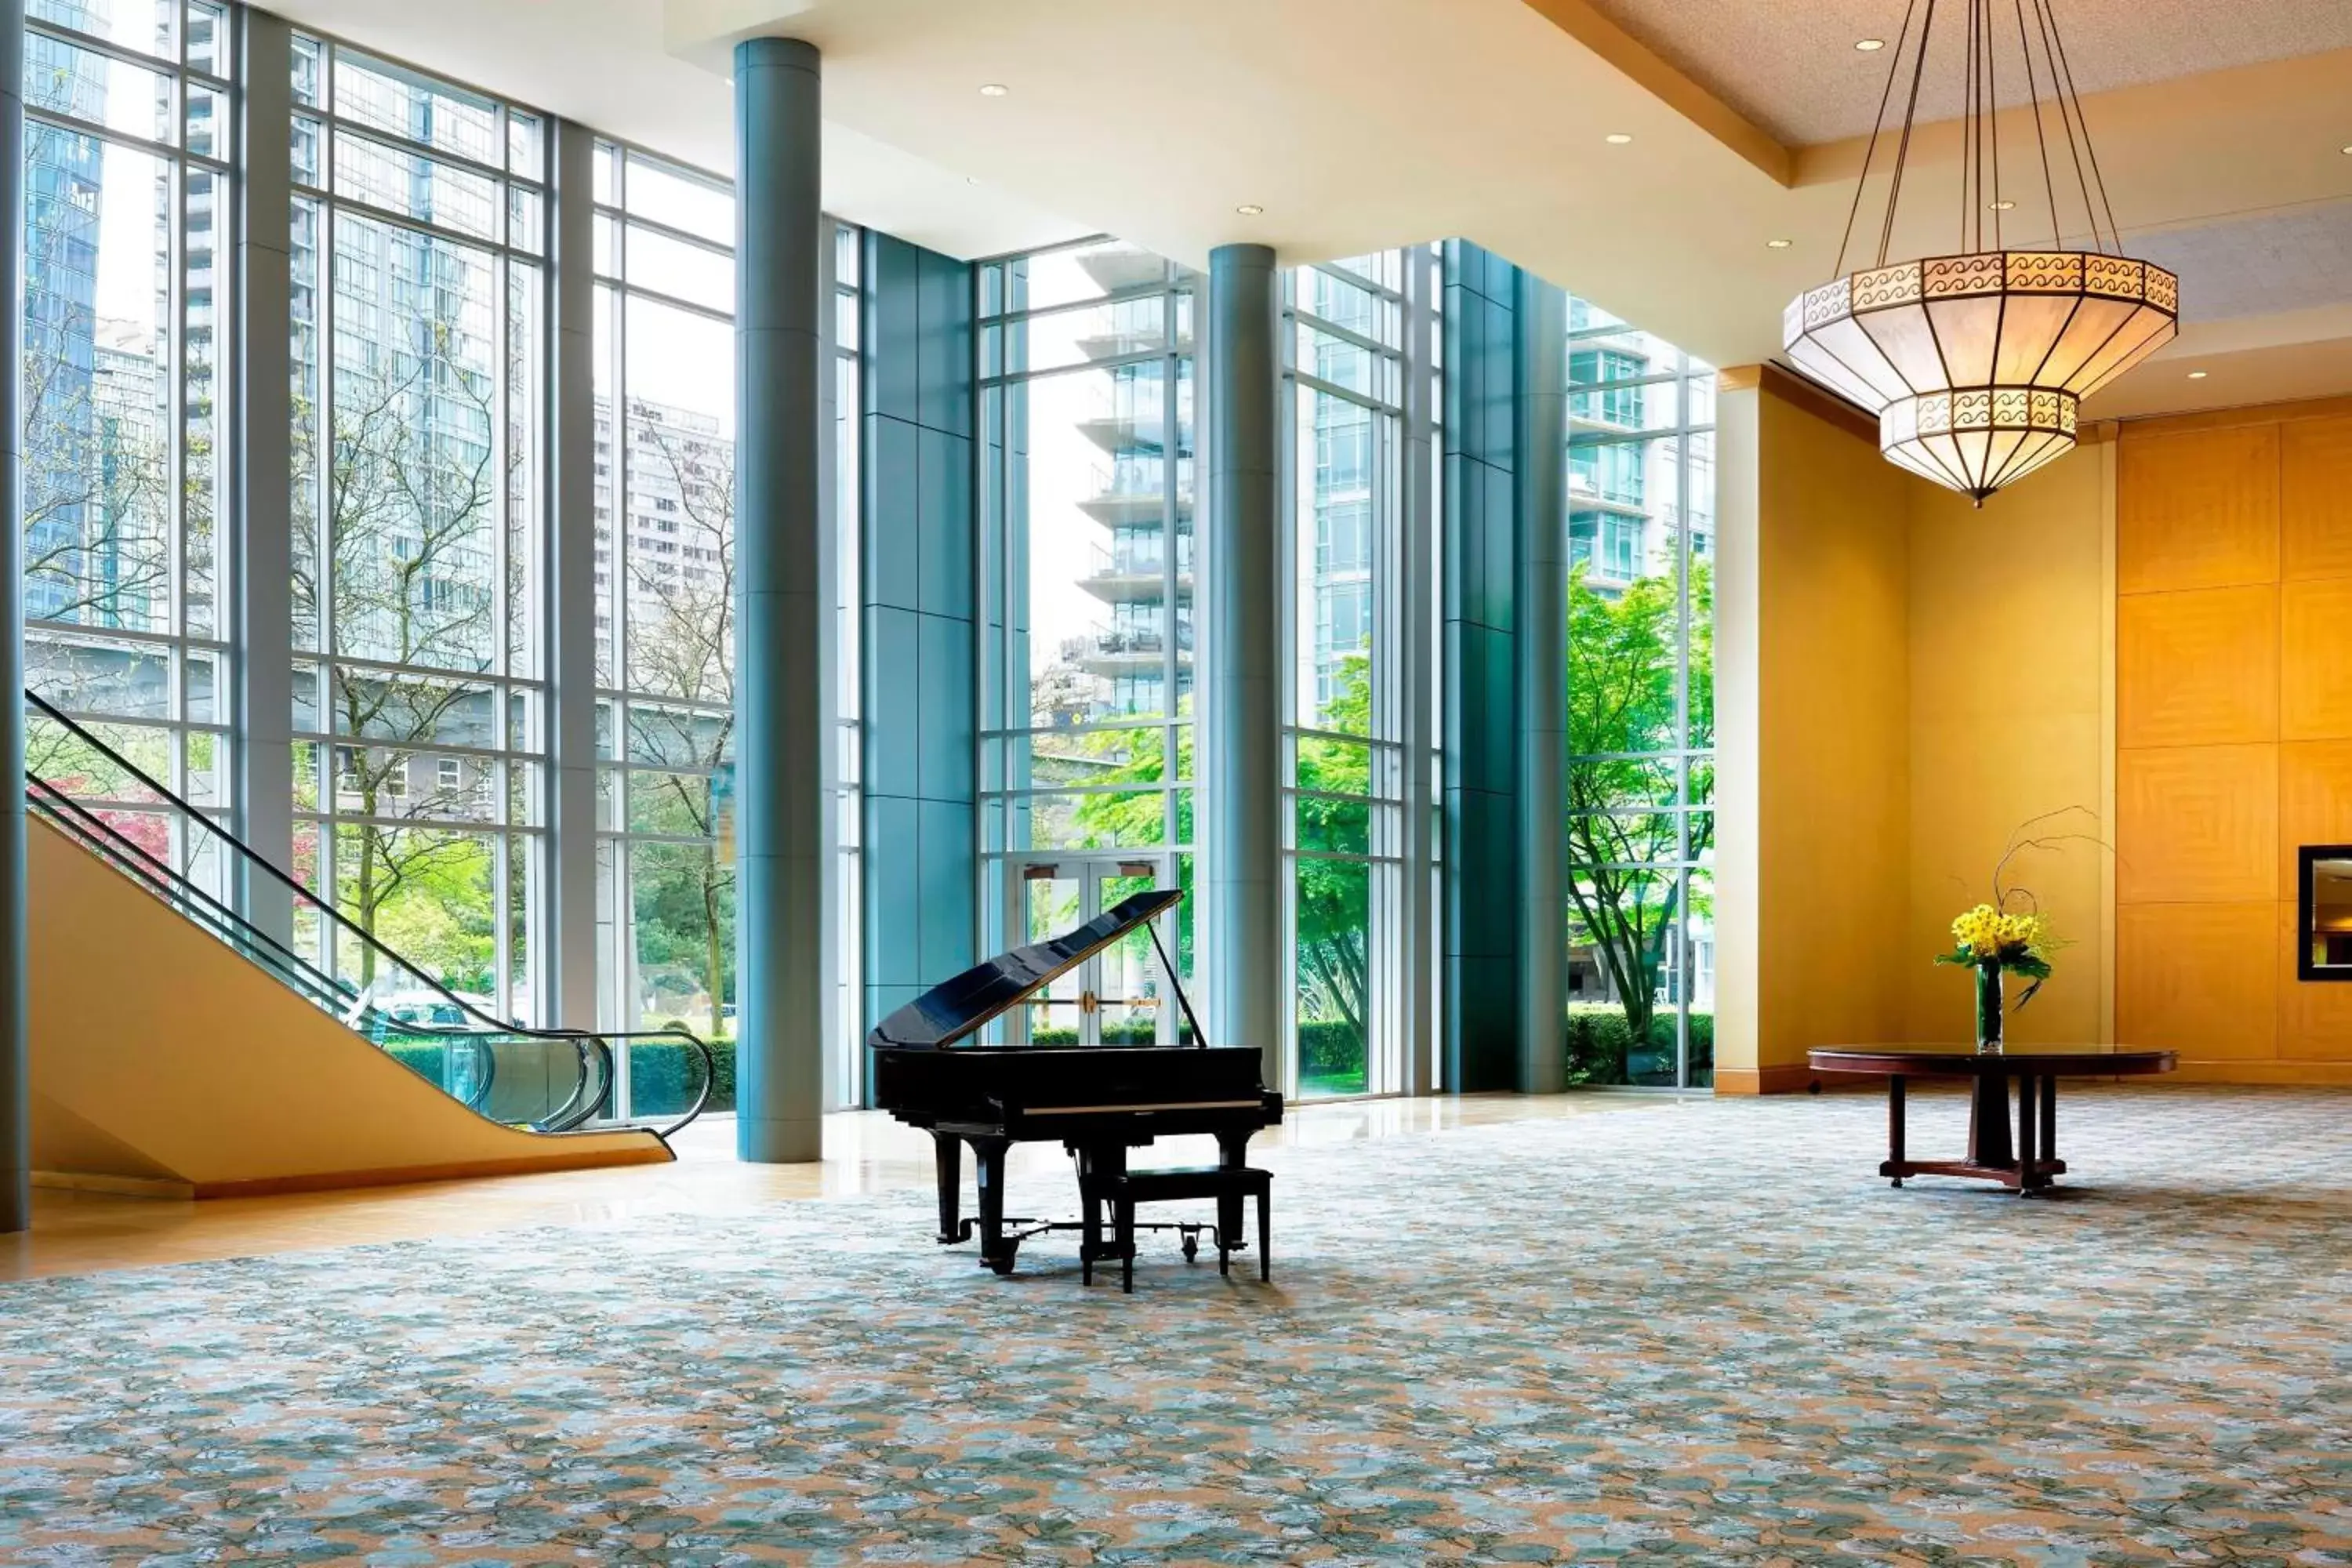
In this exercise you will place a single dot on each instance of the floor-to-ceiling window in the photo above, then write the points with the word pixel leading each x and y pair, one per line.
pixel 1640 693
pixel 419 351
pixel 1345 759
pixel 124 411
pixel 1087 487
pixel 665 433
pixel 665 473
pixel 846 1072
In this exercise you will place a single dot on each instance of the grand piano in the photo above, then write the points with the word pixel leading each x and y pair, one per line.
pixel 931 1072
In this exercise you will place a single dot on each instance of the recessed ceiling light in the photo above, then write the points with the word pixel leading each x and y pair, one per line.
pixel 2197 375
pixel 2345 151
pixel 993 90
pixel 1617 139
pixel 2003 206
pixel 1870 46
pixel 1249 210
pixel 972 179
pixel 1776 244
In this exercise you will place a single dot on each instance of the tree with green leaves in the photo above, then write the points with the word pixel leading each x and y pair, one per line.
pixel 1624 698
pixel 413 498
pixel 681 643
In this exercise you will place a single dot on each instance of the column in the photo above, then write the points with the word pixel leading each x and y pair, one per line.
pixel 918 612
pixel 780 603
pixel 16 1042
pixel 1241 750
pixel 1481 675
pixel 263 416
pixel 1540 477
pixel 568 924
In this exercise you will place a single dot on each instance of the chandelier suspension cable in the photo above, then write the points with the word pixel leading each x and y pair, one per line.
pixel 1877 125
pixel 1903 148
pixel 2066 118
pixel 2034 94
pixel 1992 97
pixel 1971 144
pixel 2090 148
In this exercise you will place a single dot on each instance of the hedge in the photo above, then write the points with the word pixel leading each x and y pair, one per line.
pixel 1599 1045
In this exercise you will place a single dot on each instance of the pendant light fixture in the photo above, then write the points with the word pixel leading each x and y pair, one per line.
pixel 1976 361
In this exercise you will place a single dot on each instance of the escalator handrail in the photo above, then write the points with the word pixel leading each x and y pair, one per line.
pixel 571 1115
pixel 297 973
pixel 119 847
pixel 590 1084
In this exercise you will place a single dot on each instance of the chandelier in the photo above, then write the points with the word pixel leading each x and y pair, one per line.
pixel 1977 363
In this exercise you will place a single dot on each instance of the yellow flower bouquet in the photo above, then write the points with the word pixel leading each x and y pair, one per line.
pixel 1998 939
pixel 1994 943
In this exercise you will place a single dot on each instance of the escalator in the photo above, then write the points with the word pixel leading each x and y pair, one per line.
pixel 204 1023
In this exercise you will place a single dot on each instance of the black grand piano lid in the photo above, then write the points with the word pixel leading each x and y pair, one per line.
pixel 956 1008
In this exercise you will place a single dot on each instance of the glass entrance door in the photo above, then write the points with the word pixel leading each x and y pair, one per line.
pixel 1120 996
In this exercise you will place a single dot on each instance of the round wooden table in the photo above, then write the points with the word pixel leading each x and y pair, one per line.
pixel 2029 1165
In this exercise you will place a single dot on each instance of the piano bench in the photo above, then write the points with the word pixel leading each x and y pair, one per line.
pixel 1228 1185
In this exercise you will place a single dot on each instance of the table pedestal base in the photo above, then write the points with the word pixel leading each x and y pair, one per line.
pixel 2026 1168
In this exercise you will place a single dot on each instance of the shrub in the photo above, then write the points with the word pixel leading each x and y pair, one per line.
pixel 1601 1046
pixel 664 1074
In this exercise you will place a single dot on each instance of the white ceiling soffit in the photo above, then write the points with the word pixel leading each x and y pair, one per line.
pixel 605 64
pixel 1357 124
pixel 1793 68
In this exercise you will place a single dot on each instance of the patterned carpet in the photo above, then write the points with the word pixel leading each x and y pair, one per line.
pixel 1705 1334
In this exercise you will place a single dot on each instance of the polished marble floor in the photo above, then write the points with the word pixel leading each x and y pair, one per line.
pixel 864 1152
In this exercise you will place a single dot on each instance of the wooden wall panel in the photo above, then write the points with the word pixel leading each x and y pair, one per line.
pixel 2230 530
pixel 2197 669
pixel 2315 1018
pixel 2199 979
pixel 2315 660
pixel 2198 509
pixel 2315 802
pixel 2315 498
pixel 2196 824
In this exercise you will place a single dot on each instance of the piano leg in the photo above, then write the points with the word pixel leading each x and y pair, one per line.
pixel 1233 1150
pixel 948 1149
pixel 989 1158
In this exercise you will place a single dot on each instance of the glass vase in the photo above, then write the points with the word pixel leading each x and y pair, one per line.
pixel 1989 1007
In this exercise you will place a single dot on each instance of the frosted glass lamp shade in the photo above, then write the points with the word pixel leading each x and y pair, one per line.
pixel 1977 365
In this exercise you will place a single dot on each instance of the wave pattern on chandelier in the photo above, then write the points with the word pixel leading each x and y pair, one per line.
pixel 1977 364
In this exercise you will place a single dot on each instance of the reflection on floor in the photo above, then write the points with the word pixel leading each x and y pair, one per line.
pixel 864 1152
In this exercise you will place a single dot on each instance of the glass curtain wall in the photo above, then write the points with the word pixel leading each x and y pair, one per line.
pixel 124 408
pixel 665 434
pixel 419 358
pixel 665 533
pixel 846 1075
pixel 1640 683
pixel 1345 743
pixel 1086 517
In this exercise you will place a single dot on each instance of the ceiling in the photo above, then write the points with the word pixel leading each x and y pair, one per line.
pixel 1792 68
pixel 1357 124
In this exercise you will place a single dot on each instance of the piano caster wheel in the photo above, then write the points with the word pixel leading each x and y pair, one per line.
pixel 1191 1246
pixel 999 1266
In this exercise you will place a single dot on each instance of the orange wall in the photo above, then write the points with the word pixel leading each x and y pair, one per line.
pixel 1813 678
pixel 2008 613
pixel 2234 732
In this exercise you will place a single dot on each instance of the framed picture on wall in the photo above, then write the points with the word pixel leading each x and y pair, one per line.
pixel 2324 913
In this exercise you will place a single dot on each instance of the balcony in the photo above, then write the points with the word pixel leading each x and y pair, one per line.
pixel 1117 268
pixel 1112 651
